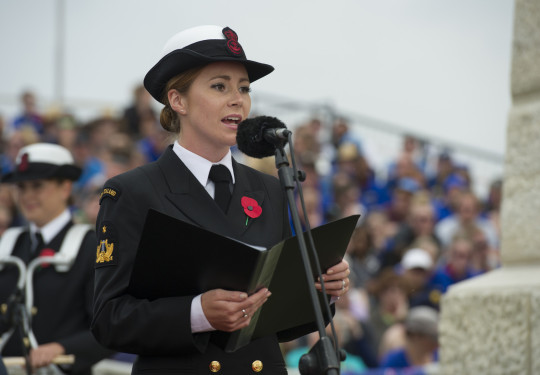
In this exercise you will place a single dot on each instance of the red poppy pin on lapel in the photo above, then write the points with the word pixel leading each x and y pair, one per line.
pixel 46 253
pixel 251 208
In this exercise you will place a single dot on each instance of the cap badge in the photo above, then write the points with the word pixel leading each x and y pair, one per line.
pixel 232 42
pixel 23 165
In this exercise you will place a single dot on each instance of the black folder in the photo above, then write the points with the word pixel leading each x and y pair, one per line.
pixel 176 258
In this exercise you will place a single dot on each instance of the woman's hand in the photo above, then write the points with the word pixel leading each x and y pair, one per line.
pixel 44 354
pixel 229 311
pixel 336 279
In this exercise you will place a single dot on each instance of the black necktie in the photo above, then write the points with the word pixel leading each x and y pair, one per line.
pixel 222 178
pixel 39 244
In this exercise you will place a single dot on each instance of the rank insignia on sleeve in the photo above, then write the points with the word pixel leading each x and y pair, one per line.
pixel 107 248
pixel 109 192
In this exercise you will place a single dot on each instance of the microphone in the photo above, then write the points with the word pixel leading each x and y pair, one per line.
pixel 259 137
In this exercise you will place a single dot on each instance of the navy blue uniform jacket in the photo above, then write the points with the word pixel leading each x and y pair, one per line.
pixel 159 331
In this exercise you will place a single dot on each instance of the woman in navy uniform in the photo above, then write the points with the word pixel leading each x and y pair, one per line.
pixel 43 176
pixel 203 79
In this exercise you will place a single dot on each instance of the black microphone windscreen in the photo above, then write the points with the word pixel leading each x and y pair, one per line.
pixel 250 136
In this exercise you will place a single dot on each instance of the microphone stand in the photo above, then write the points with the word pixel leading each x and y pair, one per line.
pixel 322 358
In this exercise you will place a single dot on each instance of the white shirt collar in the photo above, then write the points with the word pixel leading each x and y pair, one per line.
pixel 51 229
pixel 199 166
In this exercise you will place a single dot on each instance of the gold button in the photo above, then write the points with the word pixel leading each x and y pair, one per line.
pixel 257 366
pixel 215 366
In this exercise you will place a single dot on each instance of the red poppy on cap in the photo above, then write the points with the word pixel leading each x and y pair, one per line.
pixel 232 42
pixel 40 161
pixel 23 165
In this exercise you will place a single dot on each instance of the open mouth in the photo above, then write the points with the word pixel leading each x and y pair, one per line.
pixel 232 120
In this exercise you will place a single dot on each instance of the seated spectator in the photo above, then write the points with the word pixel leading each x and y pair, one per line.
pixel 153 140
pixel 361 255
pixel 307 147
pixel 87 203
pixel 345 329
pixel 413 149
pixel 133 115
pixel 313 205
pixel 418 226
pixel 15 142
pixel 389 303
pixel 404 167
pixel 342 134
pixel 484 257
pixel 66 131
pixel 447 204
pixel 417 268
pixel 352 311
pixel 456 265
pixel 401 199
pixel 380 230
pixel 7 200
pixel 29 117
pixel 467 216
pixel 444 168
pixel 492 207
pixel 119 155
pixel 346 198
pixel 421 340
pixel 6 218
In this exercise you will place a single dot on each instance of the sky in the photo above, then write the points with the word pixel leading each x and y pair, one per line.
pixel 440 68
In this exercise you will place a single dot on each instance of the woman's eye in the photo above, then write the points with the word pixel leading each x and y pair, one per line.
pixel 245 90
pixel 218 86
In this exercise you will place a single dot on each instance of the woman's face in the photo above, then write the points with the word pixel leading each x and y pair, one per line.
pixel 41 201
pixel 217 101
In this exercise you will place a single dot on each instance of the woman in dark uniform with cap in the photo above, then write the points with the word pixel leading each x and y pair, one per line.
pixel 203 79
pixel 43 176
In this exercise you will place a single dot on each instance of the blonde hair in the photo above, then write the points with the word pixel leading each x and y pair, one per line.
pixel 182 82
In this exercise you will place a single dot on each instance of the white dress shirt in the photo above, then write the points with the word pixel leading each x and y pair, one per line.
pixel 52 228
pixel 200 167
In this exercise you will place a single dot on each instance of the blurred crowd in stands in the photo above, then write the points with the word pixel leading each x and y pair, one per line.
pixel 420 230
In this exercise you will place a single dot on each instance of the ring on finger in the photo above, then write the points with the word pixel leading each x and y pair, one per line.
pixel 245 313
pixel 343 285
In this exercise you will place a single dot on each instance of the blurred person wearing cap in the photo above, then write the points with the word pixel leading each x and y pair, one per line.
pixel 203 79
pixel 421 340
pixel 43 178
pixel 417 268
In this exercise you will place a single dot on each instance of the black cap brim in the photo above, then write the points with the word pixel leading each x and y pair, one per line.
pixel 181 60
pixel 43 171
